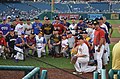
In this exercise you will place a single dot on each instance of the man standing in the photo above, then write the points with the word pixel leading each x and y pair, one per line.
pixel 116 56
pixel 28 27
pixel 98 43
pixel 36 26
pixel 19 27
pixel 4 27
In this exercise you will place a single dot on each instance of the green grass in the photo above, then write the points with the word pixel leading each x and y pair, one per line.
pixel 115 33
pixel 110 63
pixel 114 21
pixel 59 62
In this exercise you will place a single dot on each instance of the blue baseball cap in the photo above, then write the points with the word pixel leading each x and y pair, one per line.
pixel 4 18
pixel 11 29
pixel 22 33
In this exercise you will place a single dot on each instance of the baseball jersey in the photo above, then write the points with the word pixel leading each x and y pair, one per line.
pixel 98 34
pixel 11 40
pixel 83 49
pixel 47 29
pixel 2 41
pixel 40 41
pixel 5 28
pixel 64 43
pixel 28 29
pixel 36 27
pixel 19 28
pixel 72 28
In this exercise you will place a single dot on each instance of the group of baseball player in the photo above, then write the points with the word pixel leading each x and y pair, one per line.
pixel 87 40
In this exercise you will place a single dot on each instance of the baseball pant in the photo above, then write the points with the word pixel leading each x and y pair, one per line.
pixel 81 64
pixel 40 50
pixel 99 57
pixel 19 54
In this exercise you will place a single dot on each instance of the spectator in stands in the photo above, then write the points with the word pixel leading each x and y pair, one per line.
pixel 10 39
pixel 73 25
pixel 99 41
pixel 40 44
pixel 36 26
pixel 28 26
pixel 19 47
pixel 4 27
pixel 20 27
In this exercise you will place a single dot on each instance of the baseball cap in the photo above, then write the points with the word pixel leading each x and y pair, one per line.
pixel 11 29
pixel 1 32
pixel 73 18
pixel 36 18
pixel 32 33
pixel 4 18
pixel 17 16
pixel 40 32
pixel 79 37
pixel 95 22
pixel 22 33
pixel 8 17
pixel 69 32
pixel 56 30
pixel 21 19
pixel 47 18
pixel 64 35
pixel 57 18
pixel 28 19
pixel 100 18
pixel 80 18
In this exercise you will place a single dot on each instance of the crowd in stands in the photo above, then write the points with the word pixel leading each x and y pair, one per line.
pixel 35 8
pixel 86 40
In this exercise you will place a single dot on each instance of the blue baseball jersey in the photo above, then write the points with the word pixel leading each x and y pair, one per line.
pixel 19 40
pixel 83 25
pixel 5 28
pixel 36 27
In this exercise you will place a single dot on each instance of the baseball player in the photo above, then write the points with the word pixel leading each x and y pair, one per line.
pixel 40 44
pixel 81 64
pixel 19 46
pixel 98 43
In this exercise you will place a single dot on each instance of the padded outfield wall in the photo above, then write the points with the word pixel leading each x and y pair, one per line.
pixel 109 16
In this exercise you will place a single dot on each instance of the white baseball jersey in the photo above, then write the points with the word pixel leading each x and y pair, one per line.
pixel 64 43
pixel 40 41
pixel 72 28
pixel 19 28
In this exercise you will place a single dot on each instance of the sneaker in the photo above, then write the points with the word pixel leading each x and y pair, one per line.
pixel 75 73
pixel 16 60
